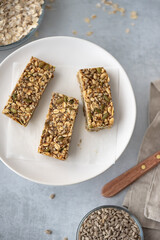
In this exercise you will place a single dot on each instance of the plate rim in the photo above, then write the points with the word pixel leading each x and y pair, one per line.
pixel 134 110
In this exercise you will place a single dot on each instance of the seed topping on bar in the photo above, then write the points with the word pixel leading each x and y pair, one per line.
pixel 57 132
pixel 28 91
pixel 97 99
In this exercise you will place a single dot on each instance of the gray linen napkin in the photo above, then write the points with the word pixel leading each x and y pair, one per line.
pixel 143 197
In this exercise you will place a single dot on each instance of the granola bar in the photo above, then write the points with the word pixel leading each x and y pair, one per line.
pixel 97 99
pixel 57 132
pixel 28 91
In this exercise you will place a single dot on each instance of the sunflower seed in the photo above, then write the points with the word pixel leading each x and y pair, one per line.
pixel 109 224
pixel 48 231
pixel 52 196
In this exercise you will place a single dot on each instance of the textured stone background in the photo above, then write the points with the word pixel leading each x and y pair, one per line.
pixel 25 207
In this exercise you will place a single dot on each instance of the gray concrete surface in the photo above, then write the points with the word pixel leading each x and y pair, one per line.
pixel 25 207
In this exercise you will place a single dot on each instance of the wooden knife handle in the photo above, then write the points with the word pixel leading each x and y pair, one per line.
pixel 124 180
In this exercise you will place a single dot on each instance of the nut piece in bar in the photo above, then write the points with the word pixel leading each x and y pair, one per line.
pixel 57 132
pixel 28 91
pixel 97 99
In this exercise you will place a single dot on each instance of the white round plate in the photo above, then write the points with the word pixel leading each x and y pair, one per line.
pixel 98 150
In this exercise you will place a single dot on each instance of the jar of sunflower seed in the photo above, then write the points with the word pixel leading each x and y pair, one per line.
pixel 109 223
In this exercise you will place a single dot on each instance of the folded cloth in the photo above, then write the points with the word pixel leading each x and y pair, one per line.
pixel 143 197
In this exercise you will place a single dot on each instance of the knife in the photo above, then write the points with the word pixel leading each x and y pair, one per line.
pixel 119 183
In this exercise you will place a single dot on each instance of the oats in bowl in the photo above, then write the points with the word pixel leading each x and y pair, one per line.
pixel 18 18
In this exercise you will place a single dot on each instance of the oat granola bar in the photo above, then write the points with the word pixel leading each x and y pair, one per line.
pixel 57 132
pixel 28 91
pixel 97 99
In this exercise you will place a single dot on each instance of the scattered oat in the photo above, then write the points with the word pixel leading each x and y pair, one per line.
pixel 87 20
pixel 93 16
pixel 132 24
pixel 118 9
pixel 127 30
pixel 65 238
pixel 109 3
pixel 115 7
pixel 74 32
pixel 134 15
pixel 51 1
pixel 48 7
pixel 80 140
pixel 52 196
pixel 112 12
pixel 48 231
pixel 89 33
pixel 98 5
pixel 122 10
pixel 36 34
